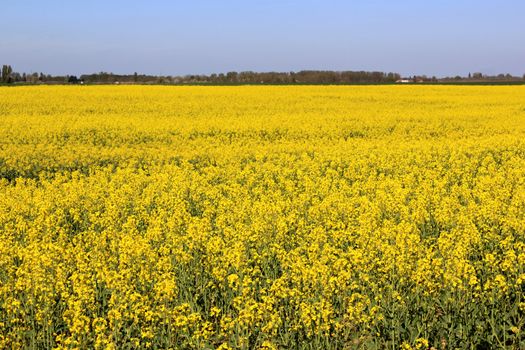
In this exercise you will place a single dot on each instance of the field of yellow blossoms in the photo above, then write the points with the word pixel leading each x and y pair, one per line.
pixel 260 217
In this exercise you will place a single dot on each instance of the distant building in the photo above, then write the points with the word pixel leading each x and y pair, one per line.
pixel 403 80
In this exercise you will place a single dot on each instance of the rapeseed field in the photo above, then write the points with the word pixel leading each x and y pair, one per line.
pixel 262 217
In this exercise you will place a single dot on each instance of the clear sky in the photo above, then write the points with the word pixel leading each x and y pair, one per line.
pixel 433 37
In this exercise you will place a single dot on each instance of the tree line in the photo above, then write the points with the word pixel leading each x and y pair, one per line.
pixel 302 77
pixel 8 76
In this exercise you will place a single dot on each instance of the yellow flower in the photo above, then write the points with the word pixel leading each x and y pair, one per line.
pixel 259 216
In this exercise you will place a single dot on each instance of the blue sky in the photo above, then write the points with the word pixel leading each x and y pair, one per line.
pixel 445 37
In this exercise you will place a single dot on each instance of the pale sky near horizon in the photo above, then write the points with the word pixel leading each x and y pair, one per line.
pixel 441 38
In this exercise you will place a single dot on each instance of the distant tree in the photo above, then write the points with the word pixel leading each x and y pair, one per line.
pixel 135 77
pixel 469 75
pixel 3 77
pixel 477 75
pixel 6 73
pixel 16 77
pixel 72 79
pixel 231 77
pixel 9 72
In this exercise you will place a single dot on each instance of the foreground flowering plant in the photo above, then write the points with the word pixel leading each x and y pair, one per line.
pixel 262 217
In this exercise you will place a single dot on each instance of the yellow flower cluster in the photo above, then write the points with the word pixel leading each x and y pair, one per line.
pixel 258 217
